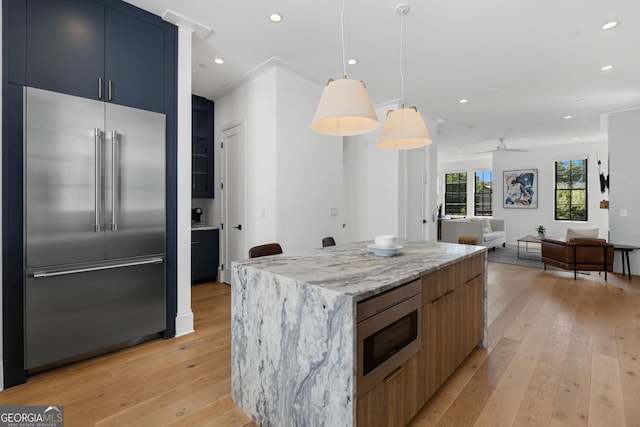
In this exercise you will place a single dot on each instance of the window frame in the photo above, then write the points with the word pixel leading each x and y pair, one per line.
pixel 453 194
pixel 571 190
pixel 476 194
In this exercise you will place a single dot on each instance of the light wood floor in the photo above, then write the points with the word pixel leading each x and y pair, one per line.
pixel 561 353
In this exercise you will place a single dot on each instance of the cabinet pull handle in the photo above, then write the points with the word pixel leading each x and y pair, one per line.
pixel 195 243
pixel 45 274
pixel 442 297
pixel 110 90
pixel 394 374
pixel 99 87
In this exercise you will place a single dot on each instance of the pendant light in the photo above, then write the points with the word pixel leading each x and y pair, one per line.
pixel 345 107
pixel 404 128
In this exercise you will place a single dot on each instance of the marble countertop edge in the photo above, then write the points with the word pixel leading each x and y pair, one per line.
pixel 353 271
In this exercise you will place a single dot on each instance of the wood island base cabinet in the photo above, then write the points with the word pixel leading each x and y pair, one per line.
pixel 396 399
pixel 452 326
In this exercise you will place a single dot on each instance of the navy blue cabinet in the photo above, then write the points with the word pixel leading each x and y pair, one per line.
pixel 202 148
pixel 14 21
pixel 65 46
pixel 134 62
pixel 204 254
pixel 86 49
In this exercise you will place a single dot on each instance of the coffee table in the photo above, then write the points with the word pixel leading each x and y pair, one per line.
pixel 526 240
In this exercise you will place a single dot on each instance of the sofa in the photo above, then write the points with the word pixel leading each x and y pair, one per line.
pixel 487 232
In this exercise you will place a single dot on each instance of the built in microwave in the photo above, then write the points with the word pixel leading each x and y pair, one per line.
pixel 388 333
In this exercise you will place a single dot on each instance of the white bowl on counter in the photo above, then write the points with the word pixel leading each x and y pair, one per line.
pixel 385 241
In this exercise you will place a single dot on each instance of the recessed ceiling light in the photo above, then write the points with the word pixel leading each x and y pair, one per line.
pixel 576 138
pixel 463 101
pixel 568 117
pixel 218 61
pixel 202 65
pixel 275 17
pixel 352 61
pixel 459 151
pixel 610 25
pixel 606 68
pixel 580 100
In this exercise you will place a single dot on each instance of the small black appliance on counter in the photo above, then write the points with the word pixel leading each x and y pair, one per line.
pixel 196 215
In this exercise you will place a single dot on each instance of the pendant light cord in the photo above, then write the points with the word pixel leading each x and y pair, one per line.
pixel 344 61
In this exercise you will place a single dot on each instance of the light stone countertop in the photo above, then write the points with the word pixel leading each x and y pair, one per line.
pixel 354 271
pixel 202 228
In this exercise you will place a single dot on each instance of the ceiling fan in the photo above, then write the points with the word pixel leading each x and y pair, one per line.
pixel 501 147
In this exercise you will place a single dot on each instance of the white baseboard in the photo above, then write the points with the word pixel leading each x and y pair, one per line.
pixel 184 323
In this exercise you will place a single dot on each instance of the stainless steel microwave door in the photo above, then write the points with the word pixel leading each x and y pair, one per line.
pixel 62 178
pixel 135 182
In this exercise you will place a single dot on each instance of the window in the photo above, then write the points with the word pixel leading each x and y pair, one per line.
pixel 571 190
pixel 483 192
pixel 455 193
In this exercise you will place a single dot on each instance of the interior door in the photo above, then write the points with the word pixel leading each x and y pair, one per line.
pixel 234 234
pixel 134 182
pixel 63 178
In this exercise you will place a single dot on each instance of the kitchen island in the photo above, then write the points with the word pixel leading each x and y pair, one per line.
pixel 294 330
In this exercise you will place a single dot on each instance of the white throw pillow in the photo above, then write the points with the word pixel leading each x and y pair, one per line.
pixel 584 232
pixel 486 224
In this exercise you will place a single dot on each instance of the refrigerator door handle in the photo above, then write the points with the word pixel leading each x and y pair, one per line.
pixel 44 274
pixel 115 162
pixel 97 135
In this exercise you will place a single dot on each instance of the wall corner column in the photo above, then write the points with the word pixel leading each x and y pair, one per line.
pixel 184 314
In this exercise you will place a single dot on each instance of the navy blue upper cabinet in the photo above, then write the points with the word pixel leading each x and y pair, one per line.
pixel 134 62
pixel 202 148
pixel 65 46
pixel 87 49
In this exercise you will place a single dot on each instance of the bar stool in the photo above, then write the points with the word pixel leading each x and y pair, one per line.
pixel 328 241
pixel 265 250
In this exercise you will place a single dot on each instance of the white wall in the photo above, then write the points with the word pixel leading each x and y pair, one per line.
pixel 624 174
pixel 309 169
pixel 470 166
pixel 371 185
pixel 254 105
pixel 293 176
pixel 375 186
pixel 521 222
pixel 431 181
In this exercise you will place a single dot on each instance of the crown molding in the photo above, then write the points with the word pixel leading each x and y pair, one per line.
pixel 200 30
pixel 267 65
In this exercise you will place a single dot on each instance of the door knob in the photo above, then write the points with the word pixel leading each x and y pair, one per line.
pixel 239 226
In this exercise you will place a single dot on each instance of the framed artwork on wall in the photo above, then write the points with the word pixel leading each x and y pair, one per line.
pixel 520 189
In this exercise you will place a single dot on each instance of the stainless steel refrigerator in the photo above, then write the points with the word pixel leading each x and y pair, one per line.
pixel 94 226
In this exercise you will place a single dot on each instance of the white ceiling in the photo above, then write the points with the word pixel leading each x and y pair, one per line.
pixel 522 64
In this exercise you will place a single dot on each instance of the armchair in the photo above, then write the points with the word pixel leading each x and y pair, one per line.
pixel 583 253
